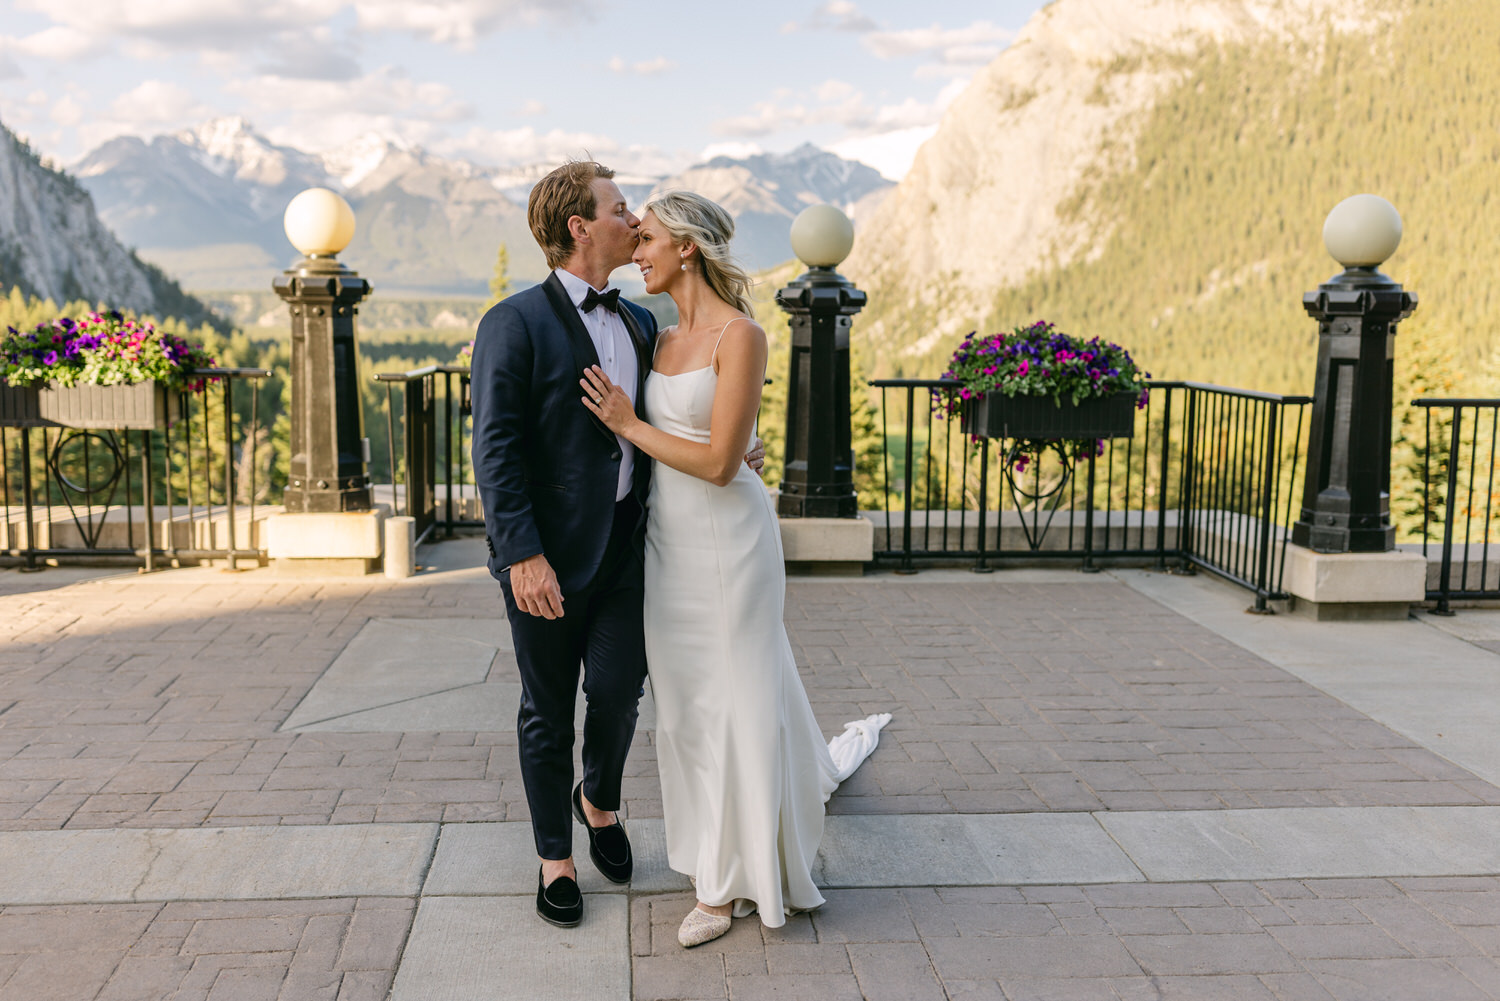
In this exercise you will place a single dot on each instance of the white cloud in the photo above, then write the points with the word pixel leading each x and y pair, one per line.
pixel 891 153
pixel 841 105
pixel 151 107
pixel 388 90
pixel 66 111
pixel 457 22
pixel 157 103
pixel 733 150
pixel 648 67
pixel 528 146
pixel 388 101
pixel 835 15
pixel 835 90
pixel 519 147
pixel 315 54
pixel 59 42
pixel 223 23
pixel 235 24
pixel 532 109
pixel 974 45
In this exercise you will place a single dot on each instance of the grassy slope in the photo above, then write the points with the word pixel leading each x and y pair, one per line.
pixel 1208 240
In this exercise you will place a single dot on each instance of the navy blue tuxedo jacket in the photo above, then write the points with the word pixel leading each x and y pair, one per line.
pixel 547 469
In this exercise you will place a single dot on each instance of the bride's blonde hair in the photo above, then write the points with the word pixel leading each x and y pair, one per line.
pixel 690 217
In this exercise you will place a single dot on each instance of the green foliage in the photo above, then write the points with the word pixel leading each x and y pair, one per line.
pixel 1040 360
pixel 101 349
pixel 265 312
pixel 1419 436
pixel 500 285
pixel 1208 235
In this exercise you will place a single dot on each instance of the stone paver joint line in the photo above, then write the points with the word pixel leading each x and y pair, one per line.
pixel 1123 787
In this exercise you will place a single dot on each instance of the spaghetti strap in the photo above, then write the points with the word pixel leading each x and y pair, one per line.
pixel 661 335
pixel 715 356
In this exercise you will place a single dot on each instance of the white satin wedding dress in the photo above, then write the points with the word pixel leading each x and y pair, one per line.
pixel 744 767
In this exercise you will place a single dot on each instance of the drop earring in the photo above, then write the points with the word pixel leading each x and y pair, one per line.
pixel 684 262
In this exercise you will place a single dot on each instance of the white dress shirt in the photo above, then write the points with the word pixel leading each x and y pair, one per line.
pixel 616 353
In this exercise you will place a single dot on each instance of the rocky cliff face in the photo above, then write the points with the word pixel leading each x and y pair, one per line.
pixel 986 201
pixel 53 245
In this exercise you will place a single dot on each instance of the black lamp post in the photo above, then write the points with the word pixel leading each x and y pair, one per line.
pixel 818 481
pixel 1346 498
pixel 328 471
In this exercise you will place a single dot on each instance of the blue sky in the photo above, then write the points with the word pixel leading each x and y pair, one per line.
pixel 647 87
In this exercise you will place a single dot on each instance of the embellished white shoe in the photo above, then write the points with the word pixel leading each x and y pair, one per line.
pixel 700 926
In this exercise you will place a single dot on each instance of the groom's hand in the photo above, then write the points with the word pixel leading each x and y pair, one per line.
pixel 534 585
pixel 756 457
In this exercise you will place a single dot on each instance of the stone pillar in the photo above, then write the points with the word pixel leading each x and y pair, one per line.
pixel 330 524
pixel 1342 563
pixel 818 481
pixel 328 471
pixel 1346 498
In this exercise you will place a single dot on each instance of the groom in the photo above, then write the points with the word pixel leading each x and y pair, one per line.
pixel 565 518
pixel 564 511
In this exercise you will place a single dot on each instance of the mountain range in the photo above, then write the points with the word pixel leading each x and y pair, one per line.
pixel 1152 172
pixel 205 204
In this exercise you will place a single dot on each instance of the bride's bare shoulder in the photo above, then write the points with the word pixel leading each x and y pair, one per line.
pixel 743 326
pixel 742 339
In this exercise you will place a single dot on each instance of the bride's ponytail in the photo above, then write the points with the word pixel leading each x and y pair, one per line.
pixel 691 217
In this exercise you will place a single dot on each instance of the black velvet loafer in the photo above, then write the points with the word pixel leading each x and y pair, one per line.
pixel 609 848
pixel 559 902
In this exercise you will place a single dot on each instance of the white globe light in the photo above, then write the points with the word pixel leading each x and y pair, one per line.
pixel 319 222
pixel 822 236
pixel 1362 231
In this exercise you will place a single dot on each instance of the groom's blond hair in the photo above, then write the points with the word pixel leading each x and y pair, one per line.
pixel 558 197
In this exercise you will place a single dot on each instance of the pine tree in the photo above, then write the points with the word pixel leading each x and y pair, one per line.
pixel 500 283
pixel 1420 437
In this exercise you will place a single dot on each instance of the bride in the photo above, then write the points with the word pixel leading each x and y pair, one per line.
pixel 744 768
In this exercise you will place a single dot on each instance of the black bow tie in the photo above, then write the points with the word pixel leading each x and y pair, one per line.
pixel 609 300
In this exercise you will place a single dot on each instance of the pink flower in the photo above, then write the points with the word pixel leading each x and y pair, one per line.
pixel 1024 368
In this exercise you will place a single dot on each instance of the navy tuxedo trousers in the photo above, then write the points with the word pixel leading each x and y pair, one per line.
pixel 601 629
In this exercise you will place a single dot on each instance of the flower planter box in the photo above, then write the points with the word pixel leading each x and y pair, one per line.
pixel 142 406
pixel 994 415
pixel 20 407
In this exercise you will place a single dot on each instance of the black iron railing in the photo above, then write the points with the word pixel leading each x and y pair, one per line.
pixel 430 428
pixel 1207 481
pixel 1459 501
pixel 189 490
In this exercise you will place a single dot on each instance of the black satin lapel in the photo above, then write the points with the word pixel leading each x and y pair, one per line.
pixel 578 337
pixel 642 358
pixel 579 341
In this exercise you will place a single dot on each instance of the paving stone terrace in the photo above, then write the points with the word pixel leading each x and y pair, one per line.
pixel 236 786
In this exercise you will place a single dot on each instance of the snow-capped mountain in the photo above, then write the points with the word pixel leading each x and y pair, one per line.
pixel 765 192
pixel 206 205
